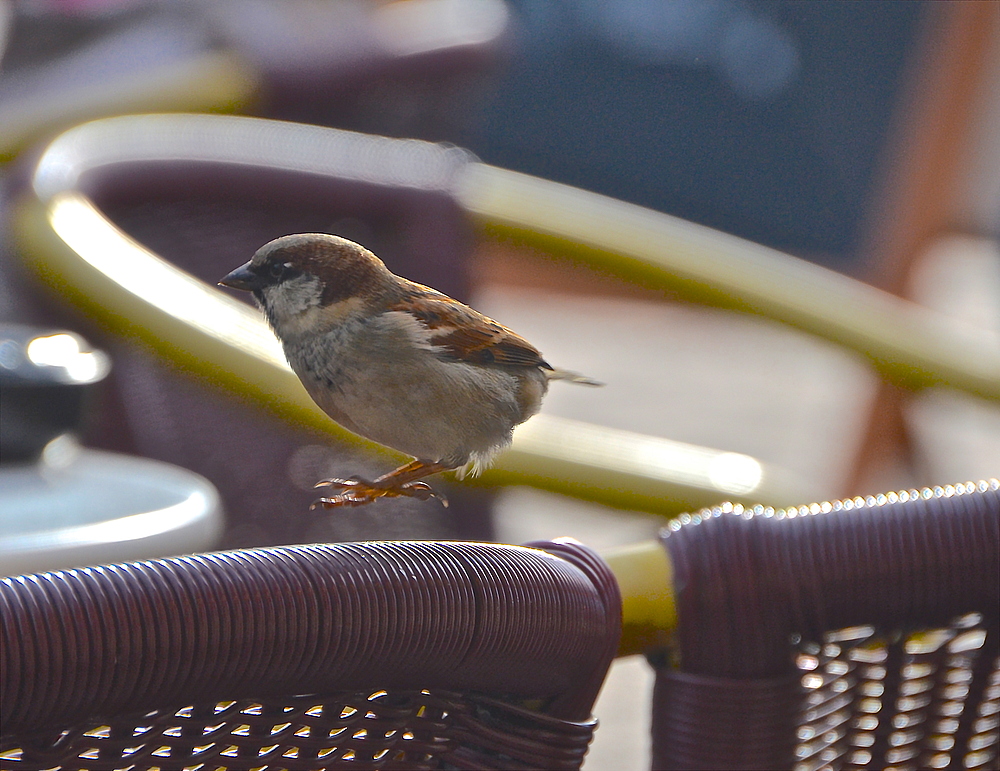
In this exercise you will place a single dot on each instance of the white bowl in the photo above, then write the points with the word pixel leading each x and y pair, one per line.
pixel 82 507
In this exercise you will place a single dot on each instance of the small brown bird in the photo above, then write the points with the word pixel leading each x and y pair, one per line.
pixel 395 361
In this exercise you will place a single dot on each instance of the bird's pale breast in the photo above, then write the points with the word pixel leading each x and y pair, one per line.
pixel 380 378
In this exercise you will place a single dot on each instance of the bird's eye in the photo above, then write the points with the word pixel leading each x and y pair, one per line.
pixel 282 271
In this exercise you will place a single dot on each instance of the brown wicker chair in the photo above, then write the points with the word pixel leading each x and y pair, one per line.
pixel 357 655
pixel 857 634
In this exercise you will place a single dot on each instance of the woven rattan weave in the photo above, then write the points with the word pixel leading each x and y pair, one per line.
pixel 419 655
pixel 401 730
pixel 862 633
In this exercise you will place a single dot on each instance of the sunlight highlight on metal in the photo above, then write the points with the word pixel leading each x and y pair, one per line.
pixel 61 452
pixel 140 272
pixel 629 452
pixel 63 350
pixel 733 472
pixel 242 141
pixel 134 527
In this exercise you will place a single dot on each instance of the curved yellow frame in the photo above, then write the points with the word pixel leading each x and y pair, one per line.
pixel 902 340
pixel 75 248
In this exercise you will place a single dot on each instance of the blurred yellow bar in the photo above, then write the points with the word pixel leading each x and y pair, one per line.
pixel 74 247
pixel 645 579
pixel 904 341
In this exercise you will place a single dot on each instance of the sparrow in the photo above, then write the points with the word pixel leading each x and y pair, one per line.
pixel 394 361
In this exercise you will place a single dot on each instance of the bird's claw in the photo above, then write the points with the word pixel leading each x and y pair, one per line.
pixel 344 484
pixel 358 492
pixel 422 491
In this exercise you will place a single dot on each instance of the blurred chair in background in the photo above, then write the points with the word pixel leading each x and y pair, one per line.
pixel 312 82
pixel 204 190
pixel 402 69
pixel 205 195
pixel 110 200
pixel 405 69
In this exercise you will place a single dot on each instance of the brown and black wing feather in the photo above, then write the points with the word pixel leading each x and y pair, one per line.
pixel 464 334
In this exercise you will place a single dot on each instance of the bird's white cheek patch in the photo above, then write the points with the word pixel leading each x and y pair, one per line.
pixel 296 310
pixel 292 297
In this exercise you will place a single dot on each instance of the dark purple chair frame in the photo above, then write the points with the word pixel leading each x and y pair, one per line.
pixel 858 634
pixel 355 655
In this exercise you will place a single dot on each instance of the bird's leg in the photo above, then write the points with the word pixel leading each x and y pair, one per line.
pixel 404 481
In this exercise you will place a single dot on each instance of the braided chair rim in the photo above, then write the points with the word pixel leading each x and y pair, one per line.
pixel 849 634
pixel 519 623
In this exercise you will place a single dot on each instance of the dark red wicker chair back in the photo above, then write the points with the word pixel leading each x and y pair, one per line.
pixel 363 655
pixel 856 634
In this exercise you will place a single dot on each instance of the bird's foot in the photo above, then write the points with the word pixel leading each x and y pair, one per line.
pixel 359 492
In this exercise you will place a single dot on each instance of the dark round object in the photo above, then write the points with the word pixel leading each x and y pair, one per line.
pixel 46 377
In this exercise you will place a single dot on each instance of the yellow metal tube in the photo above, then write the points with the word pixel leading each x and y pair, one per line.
pixel 74 247
pixel 645 579
pixel 904 341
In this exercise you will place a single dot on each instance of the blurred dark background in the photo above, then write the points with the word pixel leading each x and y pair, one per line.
pixel 785 122
pixel 765 119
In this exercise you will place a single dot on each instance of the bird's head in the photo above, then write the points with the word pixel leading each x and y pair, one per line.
pixel 310 280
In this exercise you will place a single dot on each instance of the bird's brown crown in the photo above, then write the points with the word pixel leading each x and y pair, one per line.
pixel 346 269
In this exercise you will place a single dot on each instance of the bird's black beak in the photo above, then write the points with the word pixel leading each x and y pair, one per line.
pixel 242 278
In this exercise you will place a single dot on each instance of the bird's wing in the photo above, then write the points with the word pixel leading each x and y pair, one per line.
pixel 465 334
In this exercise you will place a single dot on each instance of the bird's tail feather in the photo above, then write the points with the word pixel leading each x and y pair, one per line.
pixel 572 377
